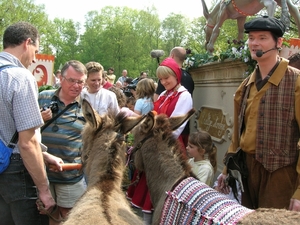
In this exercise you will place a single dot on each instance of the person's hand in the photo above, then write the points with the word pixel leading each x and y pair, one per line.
pixel 45 202
pixel 294 205
pixel 222 186
pixel 54 163
pixel 56 166
pixel 46 114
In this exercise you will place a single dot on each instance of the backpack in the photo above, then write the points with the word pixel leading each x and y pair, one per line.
pixel 6 151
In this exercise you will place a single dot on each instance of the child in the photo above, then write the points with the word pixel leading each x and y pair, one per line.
pixel 203 155
pixel 121 98
pixel 145 90
pixel 105 83
pixel 130 102
pixel 138 193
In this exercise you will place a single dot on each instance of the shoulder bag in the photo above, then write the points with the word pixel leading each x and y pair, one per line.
pixel 6 151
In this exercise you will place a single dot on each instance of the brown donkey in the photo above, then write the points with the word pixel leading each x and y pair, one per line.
pixel 294 60
pixel 103 156
pixel 177 197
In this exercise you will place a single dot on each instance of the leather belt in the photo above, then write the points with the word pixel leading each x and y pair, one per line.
pixel 16 157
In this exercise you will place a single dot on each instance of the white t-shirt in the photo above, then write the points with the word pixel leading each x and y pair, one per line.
pixel 203 170
pixel 103 101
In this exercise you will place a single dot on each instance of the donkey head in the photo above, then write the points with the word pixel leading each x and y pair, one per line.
pixel 155 135
pixel 294 60
pixel 97 123
pixel 103 135
pixel 159 123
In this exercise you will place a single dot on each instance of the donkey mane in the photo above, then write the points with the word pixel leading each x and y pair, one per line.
pixel 103 157
pixel 161 132
pixel 106 135
pixel 158 153
pixel 179 198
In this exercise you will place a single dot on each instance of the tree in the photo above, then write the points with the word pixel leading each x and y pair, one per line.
pixel 12 11
pixel 118 36
pixel 174 31
pixel 64 42
pixel 196 35
pixel 121 37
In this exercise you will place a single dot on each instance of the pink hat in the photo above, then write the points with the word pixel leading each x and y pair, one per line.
pixel 171 63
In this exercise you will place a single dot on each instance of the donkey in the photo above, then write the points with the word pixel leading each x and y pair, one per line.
pixel 177 196
pixel 103 157
pixel 239 10
pixel 294 60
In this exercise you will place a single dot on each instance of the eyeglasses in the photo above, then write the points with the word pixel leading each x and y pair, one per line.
pixel 74 81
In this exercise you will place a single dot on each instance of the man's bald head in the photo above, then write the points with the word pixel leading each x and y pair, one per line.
pixel 179 55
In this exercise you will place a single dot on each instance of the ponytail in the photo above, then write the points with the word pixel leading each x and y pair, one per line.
pixel 212 156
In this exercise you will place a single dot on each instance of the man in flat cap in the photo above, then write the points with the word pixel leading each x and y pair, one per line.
pixel 266 123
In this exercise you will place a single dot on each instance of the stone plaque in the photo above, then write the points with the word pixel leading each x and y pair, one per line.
pixel 215 122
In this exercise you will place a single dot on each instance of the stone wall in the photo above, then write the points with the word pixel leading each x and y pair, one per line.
pixel 215 85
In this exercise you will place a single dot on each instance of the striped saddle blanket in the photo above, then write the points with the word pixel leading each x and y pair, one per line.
pixel 193 202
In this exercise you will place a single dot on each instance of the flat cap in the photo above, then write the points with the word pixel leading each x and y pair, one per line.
pixel 266 23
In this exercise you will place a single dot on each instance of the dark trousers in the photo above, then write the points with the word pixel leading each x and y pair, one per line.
pixel 18 195
pixel 264 189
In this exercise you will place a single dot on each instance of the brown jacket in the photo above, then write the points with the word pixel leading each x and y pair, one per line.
pixel 277 131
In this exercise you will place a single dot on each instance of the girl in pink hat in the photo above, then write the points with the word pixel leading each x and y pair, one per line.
pixel 175 100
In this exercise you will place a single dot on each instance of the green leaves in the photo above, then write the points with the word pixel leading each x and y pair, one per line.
pixel 123 38
pixel 236 50
pixel 45 87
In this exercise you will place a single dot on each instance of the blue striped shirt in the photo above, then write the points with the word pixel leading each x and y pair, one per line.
pixel 63 136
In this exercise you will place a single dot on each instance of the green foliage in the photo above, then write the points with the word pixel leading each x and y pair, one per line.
pixel 129 139
pixel 174 29
pixel 121 37
pixel 196 60
pixel 196 35
pixel 12 11
pixel 236 50
pixel 45 87
pixel 65 41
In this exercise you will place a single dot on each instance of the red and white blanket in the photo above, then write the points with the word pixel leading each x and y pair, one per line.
pixel 193 202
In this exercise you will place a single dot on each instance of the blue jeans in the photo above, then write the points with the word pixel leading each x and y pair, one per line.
pixel 18 195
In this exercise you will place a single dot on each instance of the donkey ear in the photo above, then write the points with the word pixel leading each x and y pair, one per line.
pixel 177 121
pixel 128 123
pixel 90 114
pixel 148 124
pixel 205 10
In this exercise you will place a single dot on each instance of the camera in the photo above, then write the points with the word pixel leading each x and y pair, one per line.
pixel 127 90
pixel 53 106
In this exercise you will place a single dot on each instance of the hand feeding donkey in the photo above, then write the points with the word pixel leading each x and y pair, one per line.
pixel 177 197
pixel 103 156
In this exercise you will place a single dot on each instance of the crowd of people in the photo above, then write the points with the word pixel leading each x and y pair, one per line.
pixel 266 126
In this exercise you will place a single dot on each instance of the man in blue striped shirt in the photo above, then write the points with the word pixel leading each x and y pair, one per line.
pixel 63 135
